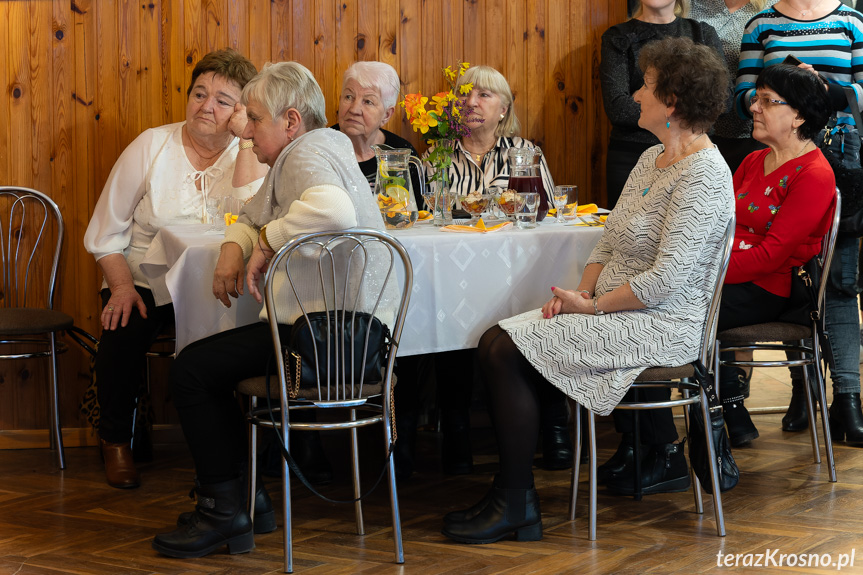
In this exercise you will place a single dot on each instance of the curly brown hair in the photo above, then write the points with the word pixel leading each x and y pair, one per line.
pixel 691 77
pixel 227 63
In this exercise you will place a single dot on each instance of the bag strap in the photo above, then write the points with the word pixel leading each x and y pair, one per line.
pixel 851 96
pixel 708 383
pixel 815 314
pixel 292 464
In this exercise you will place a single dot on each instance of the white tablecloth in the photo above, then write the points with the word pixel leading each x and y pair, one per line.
pixel 179 265
pixel 466 283
pixel 463 283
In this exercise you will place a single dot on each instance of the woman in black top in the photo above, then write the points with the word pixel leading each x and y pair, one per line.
pixel 621 78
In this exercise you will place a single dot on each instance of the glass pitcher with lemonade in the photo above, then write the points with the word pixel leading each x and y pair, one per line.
pixel 393 188
pixel 525 176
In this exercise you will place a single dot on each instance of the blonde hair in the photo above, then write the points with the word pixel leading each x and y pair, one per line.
pixel 487 78
pixel 285 85
pixel 758 4
pixel 681 8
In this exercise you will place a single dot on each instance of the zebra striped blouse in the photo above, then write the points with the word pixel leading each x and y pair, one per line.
pixel 833 45
pixel 466 176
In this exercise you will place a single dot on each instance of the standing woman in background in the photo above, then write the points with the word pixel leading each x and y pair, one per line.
pixel 621 78
pixel 733 134
pixel 827 37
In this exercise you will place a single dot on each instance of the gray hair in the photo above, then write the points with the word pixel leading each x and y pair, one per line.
pixel 487 78
pixel 378 75
pixel 286 85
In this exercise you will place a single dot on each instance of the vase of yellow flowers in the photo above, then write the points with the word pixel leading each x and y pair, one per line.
pixel 444 123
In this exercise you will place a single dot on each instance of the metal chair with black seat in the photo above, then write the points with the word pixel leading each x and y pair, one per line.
pixel 375 268
pixel 674 377
pixel 31 239
pixel 771 337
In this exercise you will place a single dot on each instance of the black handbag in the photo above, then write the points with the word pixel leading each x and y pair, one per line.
pixel 346 334
pixel 699 457
pixel 841 146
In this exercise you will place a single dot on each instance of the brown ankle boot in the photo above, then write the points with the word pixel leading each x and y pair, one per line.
pixel 119 465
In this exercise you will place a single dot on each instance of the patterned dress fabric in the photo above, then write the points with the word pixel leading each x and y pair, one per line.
pixel 663 238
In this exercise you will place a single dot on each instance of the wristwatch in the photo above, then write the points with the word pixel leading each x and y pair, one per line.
pixel 596 310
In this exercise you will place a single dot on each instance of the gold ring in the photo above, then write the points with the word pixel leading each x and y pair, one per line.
pixel 110 309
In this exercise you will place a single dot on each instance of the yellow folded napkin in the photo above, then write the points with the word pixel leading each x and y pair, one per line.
pixel 424 215
pixel 230 218
pixel 478 228
pixel 594 221
pixel 582 210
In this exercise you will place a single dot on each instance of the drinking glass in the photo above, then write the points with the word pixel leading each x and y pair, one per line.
pixel 569 196
pixel 214 208
pixel 525 217
pixel 474 204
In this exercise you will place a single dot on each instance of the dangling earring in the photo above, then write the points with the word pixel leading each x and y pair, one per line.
pixel 667 123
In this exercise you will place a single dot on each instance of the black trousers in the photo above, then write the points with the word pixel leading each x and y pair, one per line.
pixel 203 379
pixel 622 157
pixel 121 362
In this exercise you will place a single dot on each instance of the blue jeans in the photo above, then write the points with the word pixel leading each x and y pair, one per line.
pixel 842 316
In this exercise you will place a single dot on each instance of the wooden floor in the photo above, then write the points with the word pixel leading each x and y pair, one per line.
pixel 72 522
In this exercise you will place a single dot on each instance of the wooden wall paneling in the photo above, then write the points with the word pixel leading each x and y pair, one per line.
pixel 262 20
pixel 368 39
pixel 216 19
pixel 494 37
pixel 514 37
pixel 107 87
pixel 387 47
pixel 326 53
pixel 451 39
pixel 535 77
pixel 558 123
pixel 238 26
pixel 41 82
pixel 174 58
pixel 411 60
pixel 194 27
pixel 302 46
pixel 129 67
pixel 346 20
pixel 284 13
pixel 473 32
pixel 154 92
pixel 5 124
pixel 20 121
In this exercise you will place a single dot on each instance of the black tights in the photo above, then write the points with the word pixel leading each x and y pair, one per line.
pixel 516 391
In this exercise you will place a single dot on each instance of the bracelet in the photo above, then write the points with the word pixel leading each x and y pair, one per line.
pixel 246 145
pixel 596 310
pixel 263 244
pixel 584 291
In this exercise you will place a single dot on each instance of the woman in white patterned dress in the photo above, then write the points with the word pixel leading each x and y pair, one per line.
pixel 643 295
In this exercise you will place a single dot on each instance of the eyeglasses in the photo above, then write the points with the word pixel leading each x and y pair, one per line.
pixel 765 102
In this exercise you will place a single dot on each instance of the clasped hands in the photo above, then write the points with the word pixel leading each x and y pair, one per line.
pixel 567 301
pixel 230 269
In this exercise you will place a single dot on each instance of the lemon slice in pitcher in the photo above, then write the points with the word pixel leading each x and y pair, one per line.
pixel 398 193
pixel 382 168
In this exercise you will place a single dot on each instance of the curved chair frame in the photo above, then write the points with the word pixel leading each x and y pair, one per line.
pixel 374 406
pixel 661 377
pixel 808 354
pixel 20 278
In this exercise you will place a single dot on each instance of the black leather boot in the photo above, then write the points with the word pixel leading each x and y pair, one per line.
pixel 621 464
pixel 556 443
pixel 732 383
pixel 472 511
pixel 508 511
pixel 846 418
pixel 795 419
pixel 220 518
pixel 663 470
pixel 265 515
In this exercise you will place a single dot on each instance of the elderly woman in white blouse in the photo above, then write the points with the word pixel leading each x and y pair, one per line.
pixel 162 178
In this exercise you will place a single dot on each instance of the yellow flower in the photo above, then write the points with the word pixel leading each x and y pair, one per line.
pixel 424 121
pixel 465 88
pixel 463 69
pixel 450 75
pixel 440 100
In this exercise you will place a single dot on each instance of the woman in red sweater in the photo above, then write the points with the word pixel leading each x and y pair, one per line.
pixel 784 202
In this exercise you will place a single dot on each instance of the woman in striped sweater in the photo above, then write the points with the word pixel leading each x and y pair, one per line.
pixel 827 37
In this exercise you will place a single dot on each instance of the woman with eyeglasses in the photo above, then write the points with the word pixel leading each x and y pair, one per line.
pixel 827 38
pixel 784 196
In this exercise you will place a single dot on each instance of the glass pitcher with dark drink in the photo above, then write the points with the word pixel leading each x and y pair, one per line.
pixel 525 175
